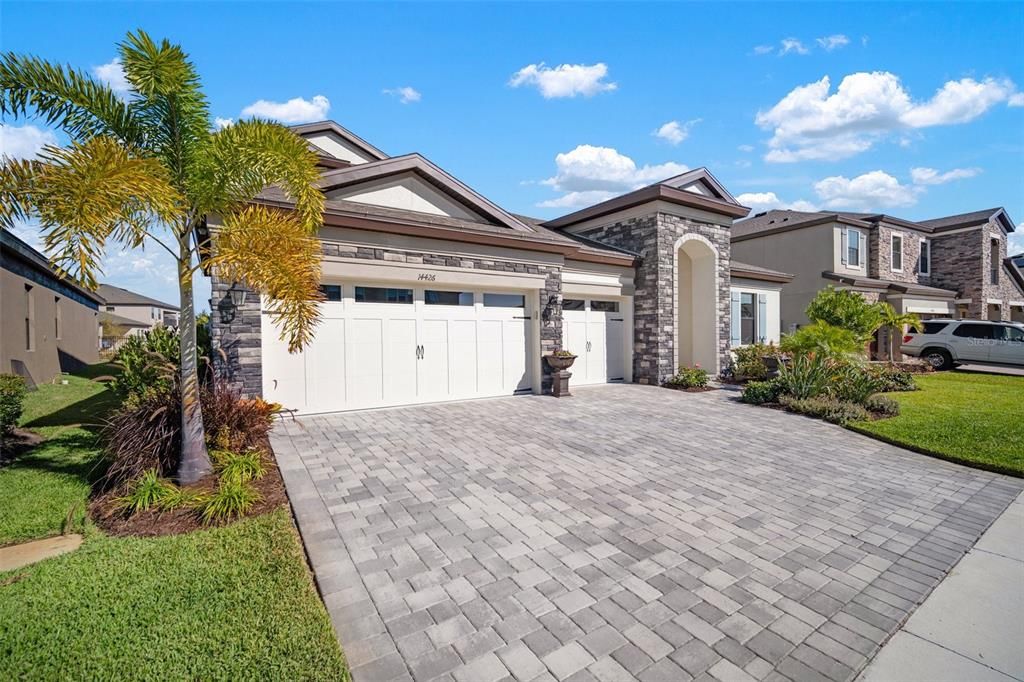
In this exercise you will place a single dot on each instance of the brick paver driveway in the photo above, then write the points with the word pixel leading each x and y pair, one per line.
pixel 628 532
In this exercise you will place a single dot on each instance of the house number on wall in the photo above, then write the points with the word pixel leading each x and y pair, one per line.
pixel 427 277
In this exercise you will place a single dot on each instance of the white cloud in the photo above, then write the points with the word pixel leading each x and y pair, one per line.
pixel 675 132
pixel 404 94
pixel 1016 244
pixel 589 174
pixel 24 142
pixel 112 73
pixel 222 123
pixel 763 49
pixel 1016 100
pixel 930 176
pixel 746 148
pixel 870 191
pixel 565 80
pixel 296 110
pixel 833 42
pixel 792 45
pixel 767 201
pixel 811 122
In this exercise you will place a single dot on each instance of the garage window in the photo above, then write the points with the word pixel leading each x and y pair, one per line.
pixel 572 304
pixel 504 301
pixel 331 292
pixel 448 297
pixel 605 306
pixel 383 295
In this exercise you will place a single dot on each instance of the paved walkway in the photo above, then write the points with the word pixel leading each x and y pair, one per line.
pixel 971 626
pixel 627 533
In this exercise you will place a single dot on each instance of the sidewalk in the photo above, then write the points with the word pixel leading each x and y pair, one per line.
pixel 972 626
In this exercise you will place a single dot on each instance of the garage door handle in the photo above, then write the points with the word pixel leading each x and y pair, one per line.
pixel 588 346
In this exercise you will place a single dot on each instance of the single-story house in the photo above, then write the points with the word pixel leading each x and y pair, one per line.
pixel 49 323
pixel 126 304
pixel 433 292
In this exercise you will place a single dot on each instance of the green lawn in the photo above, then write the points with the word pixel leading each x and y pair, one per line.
pixel 226 603
pixel 969 418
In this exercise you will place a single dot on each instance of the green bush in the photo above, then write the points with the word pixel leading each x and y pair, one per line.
pixel 761 392
pixel 822 338
pixel 750 360
pixel 854 383
pixel 893 379
pixel 12 399
pixel 149 363
pixel 690 377
pixel 233 498
pixel 882 405
pixel 829 409
pixel 847 310
pixel 245 466
pixel 806 375
pixel 149 492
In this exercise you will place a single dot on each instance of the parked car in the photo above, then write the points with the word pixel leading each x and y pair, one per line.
pixel 948 343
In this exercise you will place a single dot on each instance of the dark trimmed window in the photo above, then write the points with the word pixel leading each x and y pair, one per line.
pixel 504 301
pixel 383 295
pixel 331 292
pixel 572 304
pixel 604 306
pixel 432 297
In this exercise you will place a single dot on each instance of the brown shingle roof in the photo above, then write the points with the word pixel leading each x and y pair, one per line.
pixel 117 296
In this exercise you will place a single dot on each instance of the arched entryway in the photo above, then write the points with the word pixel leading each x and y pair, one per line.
pixel 696 303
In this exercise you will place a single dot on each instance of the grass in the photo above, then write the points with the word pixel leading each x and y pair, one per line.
pixel 228 603
pixel 968 418
pixel 44 488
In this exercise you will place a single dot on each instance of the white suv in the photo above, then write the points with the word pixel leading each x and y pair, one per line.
pixel 947 343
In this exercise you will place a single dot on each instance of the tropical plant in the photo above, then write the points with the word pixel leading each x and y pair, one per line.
pixel 750 360
pixel 761 392
pixel 690 377
pixel 806 375
pixel 148 168
pixel 149 362
pixel 895 323
pixel 142 434
pixel 12 398
pixel 233 498
pixel 246 466
pixel 846 309
pixel 824 339
pixel 148 492
pixel 853 382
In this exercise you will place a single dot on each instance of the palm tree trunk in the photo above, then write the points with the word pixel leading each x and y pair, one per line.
pixel 195 461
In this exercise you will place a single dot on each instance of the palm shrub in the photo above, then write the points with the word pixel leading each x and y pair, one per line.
pixel 12 399
pixel 147 169
pixel 896 323
pixel 823 339
pixel 847 310
pixel 807 375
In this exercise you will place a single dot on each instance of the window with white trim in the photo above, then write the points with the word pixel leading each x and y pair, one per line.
pixel 896 259
pixel 924 265
pixel 854 246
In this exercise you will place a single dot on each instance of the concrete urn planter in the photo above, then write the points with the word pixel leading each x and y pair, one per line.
pixel 559 376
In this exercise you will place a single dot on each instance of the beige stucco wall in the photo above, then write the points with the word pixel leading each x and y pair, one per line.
pixel 79 328
pixel 339 148
pixel 406 191
pixel 140 313
pixel 803 253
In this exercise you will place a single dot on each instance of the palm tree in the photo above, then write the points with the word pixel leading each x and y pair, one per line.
pixel 894 323
pixel 150 167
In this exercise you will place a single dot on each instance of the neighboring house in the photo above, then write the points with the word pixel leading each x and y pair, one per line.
pixel 114 329
pixel 948 267
pixel 435 293
pixel 49 325
pixel 142 309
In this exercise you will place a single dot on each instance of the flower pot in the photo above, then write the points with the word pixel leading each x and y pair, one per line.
pixel 560 362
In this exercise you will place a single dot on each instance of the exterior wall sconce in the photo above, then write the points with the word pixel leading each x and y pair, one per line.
pixel 229 305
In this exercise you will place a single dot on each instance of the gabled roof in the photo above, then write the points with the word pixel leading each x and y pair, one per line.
pixel 680 189
pixel 748 271
pixel 968 219
pixel 887 285
pixel 308 129
pixel 345 177
pixel 781 220
pixel 118 296
pixel 121 320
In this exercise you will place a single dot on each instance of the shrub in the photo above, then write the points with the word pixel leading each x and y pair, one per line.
pixel 245 466
pixel 233 498
pixel 143 434
pixel 235 423
pixel 149 363
pixel 893 379
pixel 854 383
pixel 761 392
pixel 822 338
pixel 690 377
pixel 806 375
pixel 882 405
pixel 847 310
pixel 750 360
pixel 148 492
pixel 829 409
pixel 12 398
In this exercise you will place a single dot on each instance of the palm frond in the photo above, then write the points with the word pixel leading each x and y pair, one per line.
pixel 273 252
pixel 86 194
pixel 245 157
pixel 65 98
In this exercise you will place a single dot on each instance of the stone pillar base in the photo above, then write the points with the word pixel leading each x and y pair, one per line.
pixel 560 384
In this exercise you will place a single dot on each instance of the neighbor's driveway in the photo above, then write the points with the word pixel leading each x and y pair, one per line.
pixel 627 532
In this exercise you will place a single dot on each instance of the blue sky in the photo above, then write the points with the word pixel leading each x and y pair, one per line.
pixel 543 108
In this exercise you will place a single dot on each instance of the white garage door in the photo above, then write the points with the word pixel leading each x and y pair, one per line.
pixel 595 331
pixel 390 345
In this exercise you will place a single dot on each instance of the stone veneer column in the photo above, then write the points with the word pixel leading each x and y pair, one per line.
pixel 237 349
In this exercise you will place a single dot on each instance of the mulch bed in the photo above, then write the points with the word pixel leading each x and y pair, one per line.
pixel 106 514
pixel 17 443
pixel 691 389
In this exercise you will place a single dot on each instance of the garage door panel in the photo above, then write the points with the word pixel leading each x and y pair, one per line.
pixel 325 366
pixel 491 369
pixel 400 369
pixel 364 380
pixel 463 354
pixel 615 333
pixel 284 375
pixel 433 380
pixel 516 377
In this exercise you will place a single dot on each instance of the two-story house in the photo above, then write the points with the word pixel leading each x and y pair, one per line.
pixel 137 312
pixel 955 266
